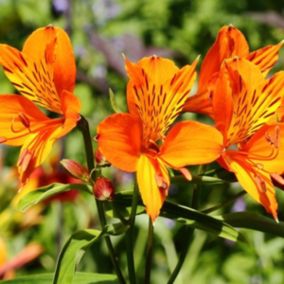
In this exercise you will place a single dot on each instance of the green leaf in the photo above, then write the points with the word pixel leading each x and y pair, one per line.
pixel 113 102
pixel 255 222
pixel 65 269
pixel 79 278
pixel 189 216
pixel 199 220
pixel 115 229
pixel 43 193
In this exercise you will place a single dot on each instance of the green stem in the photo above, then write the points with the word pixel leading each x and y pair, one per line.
pixel 187 231
pixel 149 253
pixel 130 237
pixel 194 204
pixel 84 128
pixel 224 204
pixel 196 191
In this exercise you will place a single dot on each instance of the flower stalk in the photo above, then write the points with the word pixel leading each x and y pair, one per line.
pixel 84 128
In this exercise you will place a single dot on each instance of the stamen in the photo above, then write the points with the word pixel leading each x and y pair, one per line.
pixel 23 120
pixel 260 182
pixel 162 184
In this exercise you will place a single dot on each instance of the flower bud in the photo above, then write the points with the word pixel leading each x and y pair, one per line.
pixel 75 169
pixel 100 158
pixel 103 189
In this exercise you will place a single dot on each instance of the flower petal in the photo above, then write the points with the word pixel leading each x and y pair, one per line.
pixel 229 42
pixel 153 182
pixel 18 118
pixel 119 140
pixel 33 79
pixel 254 100
pixel 191 143
pixel 266 148
pixel 53 42
pixel 265 57
pixel 35 150
pixel 157 90
pixel 257 183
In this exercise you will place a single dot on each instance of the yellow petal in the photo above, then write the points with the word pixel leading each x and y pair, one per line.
pixel 18 118
pixel 265 57
pixel 153 182
pixel 254 100
pixel 156 93
pixel 266 148
pixel 258 185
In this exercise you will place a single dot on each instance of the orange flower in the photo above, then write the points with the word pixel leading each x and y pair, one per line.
pixel 230 42
pixel 44 74
pixel 138 141
pixel 243 104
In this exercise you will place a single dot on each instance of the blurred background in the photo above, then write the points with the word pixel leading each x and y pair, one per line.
pixel 101 31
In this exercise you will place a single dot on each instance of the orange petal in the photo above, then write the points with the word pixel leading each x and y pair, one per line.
pixel 255 100
pixel 257 183
pixel 222 103
pixel 199 103
pixel 71 109
pixel 33 79
pixel 28 254
pixel 18 118
pixel 191 143
pixel 3 252
pixel 157 91
pixel 265 57
pixel 229 42
pixel 53 44
pixel 153 182
pixel 266 148
pixel 37 147
pixel 119 140
pixel 161 70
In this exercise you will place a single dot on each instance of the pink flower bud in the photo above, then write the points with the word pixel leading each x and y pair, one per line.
pixel 100 159
pixel 103 189
pixel 75 169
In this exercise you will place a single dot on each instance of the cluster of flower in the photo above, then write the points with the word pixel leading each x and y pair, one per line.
pixel 233 89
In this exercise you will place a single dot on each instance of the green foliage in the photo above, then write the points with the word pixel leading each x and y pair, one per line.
pixel 79 278
pixel 67 259
pixel 48 191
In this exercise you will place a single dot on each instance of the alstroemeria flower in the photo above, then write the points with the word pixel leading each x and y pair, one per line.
pixel 230 42
pixel 139 141
pixel 44 75
pixel 244 103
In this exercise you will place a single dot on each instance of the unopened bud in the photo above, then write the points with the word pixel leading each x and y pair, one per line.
pixel 75 169
pixel 103 189
pixel 100 158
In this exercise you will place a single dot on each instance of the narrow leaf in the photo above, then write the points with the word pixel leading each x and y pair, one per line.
pixel 66 264
pixel 43 193
pixel 199 220
pixel 189 216
pixel 113 102
pixel 255 222
pixel 79 278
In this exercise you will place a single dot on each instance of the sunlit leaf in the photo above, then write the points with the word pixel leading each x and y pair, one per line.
pixel 113 101
pixel 43 193
pixel 79 278
pixel 65 269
